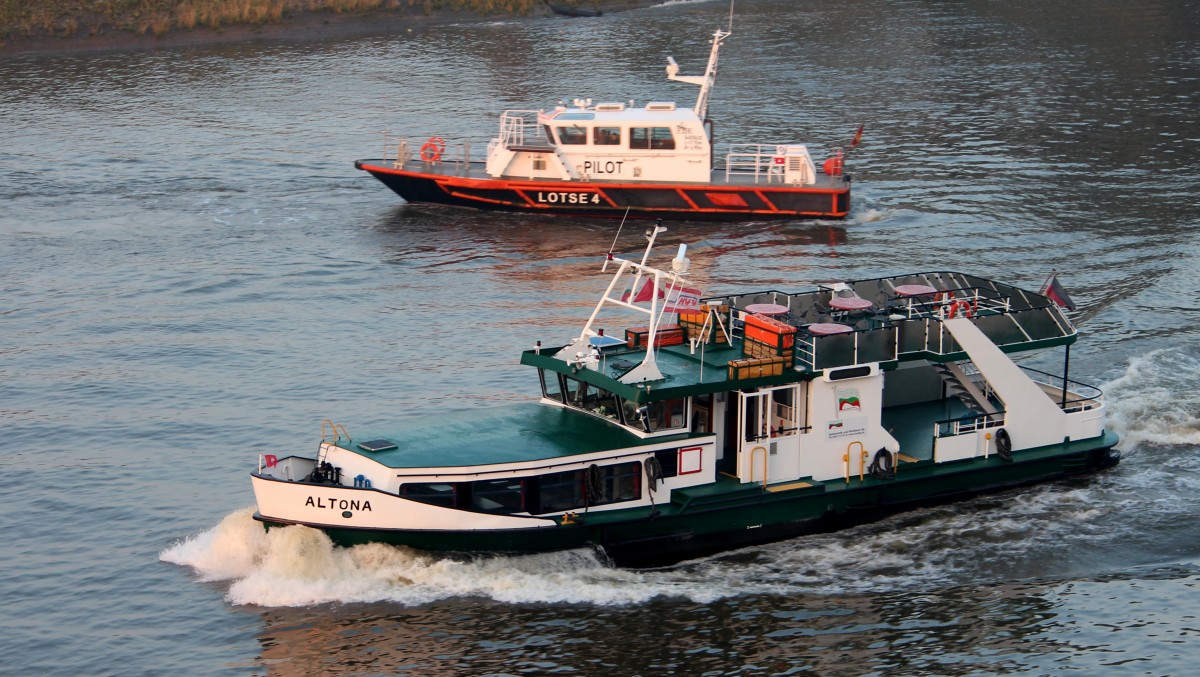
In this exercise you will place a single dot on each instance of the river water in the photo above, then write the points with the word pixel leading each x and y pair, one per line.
pixel 194 273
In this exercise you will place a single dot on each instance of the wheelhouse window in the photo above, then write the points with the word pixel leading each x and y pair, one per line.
pixel 593 399
pixel 434 493
pixel 606 136
pixel 551 385
pixel 661 415
pixel 651 138
pixel 572 135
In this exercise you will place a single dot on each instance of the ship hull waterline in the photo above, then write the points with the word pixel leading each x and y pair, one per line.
pixel 648 537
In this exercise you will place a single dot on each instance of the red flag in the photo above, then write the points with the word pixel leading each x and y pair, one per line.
pixel 1055 292
pixel 646 293
pixel 677 299
pixel 857 136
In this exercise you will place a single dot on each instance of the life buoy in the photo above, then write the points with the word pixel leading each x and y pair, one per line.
pixel 882 466
pixel 433 149
pixel 1003 445
pixel 964 306
pixel 833 166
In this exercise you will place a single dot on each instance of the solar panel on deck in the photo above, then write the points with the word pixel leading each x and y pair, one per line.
pixel 377 445
pixel 603 342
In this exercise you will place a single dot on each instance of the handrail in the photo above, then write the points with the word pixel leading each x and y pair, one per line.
pixel 333 430
pixel 862 463
pixel 950 427
pixel 754 451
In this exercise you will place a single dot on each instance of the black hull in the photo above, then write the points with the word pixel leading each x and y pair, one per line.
pixel 861 506
pixel 692 202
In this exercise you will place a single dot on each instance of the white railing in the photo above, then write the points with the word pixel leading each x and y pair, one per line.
pixel 515 125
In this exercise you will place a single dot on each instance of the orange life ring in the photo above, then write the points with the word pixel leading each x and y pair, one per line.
pixel 964 305
pixel 433 149
pixel 833 166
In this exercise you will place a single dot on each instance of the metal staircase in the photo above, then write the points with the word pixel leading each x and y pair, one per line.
pixel 965 387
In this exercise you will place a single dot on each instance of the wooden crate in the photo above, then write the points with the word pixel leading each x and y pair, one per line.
pixel 756 367
pixel 769 331
pixel 667 335
pixel 752 348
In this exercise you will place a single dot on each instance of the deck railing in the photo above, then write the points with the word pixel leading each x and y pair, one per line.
pixel 454 159
pixel 516 125
pixel 968 424
pixel 770 162
pixel 1076 396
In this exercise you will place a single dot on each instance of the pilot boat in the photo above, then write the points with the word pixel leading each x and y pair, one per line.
pixel 718 422
pixel 615 159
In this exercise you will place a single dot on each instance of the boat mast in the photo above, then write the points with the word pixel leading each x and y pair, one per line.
pixel 578 352
pixel 705 81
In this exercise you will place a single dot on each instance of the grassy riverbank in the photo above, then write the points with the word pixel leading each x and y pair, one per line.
pixel 82 22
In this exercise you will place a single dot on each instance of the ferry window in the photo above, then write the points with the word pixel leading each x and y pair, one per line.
pixel 702 408
pixel 657 138
pixel 433 493
pixel 607 136
pixel 783 412
pixel 572 136
pixel 551 386
pixel 668 460
pixel 549 134
pixel 501 496
pixel 620 482
pixel 560 491
pixel 539 164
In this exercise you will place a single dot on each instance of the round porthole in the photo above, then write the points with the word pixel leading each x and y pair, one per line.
pixel 347 513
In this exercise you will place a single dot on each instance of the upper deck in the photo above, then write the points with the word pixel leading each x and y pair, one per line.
pixel 876 321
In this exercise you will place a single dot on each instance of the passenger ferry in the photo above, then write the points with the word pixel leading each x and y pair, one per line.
pixel 619 160
pixel 702 424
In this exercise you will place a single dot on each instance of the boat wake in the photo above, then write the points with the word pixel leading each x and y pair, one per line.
pixel 299 566
pixel 1156 400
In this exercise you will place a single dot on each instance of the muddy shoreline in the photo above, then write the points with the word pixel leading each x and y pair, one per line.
pixel 308 26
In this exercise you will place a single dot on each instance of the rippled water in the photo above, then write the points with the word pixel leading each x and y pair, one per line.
pixel 195 274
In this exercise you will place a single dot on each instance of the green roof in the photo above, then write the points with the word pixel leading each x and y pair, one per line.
pixel 684 373
pixel 509 434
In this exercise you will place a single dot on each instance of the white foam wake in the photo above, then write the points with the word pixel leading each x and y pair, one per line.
pixel 1156 400
pixel 298 566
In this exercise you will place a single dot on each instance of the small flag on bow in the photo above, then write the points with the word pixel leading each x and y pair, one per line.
pixel 1055 292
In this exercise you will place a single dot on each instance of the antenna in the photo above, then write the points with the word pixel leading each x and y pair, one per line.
pixel 608 258
pixel 730 17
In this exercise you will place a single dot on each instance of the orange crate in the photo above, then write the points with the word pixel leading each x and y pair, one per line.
pixel 667 335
